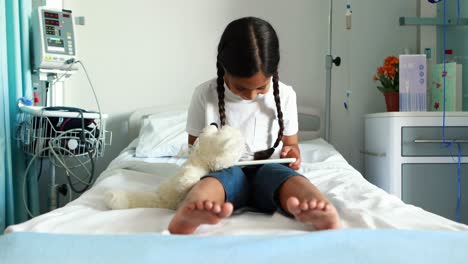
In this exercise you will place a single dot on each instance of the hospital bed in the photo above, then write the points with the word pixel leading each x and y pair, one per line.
pixel 378 227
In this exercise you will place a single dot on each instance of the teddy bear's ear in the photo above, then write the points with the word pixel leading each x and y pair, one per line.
pixel 208 131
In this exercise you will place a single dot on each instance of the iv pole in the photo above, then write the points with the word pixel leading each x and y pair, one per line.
pixel 329 61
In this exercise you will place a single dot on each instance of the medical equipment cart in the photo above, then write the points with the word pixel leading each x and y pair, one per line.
pixel 68 138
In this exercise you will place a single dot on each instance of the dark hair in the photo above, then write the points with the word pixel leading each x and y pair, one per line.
pixel 249 45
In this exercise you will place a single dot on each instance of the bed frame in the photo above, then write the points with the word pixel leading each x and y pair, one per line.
pixel 309 120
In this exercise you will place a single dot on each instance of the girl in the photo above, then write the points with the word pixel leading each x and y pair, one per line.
pixel 246 95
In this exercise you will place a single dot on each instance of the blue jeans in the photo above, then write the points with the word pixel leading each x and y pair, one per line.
pixel 254 186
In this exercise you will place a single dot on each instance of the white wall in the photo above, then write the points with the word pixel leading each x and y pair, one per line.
pixel 375 35
pixel 143 53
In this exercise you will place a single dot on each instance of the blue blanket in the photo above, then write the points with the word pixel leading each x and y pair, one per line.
pixel 343 246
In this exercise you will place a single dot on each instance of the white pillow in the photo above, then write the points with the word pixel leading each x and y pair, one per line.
pixel 162 134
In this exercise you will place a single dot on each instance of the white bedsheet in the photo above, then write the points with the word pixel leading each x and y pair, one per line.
pixel 359 203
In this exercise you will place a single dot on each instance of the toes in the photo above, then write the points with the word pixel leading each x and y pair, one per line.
pixel 293 201
pixel 193 214
pixel 216 208
pixel 312 204
pixel 293 205
pixel 323 216
pixel 320 205
pixel 200 205
pixel 226 210
pixel 208 205
pixel 191 206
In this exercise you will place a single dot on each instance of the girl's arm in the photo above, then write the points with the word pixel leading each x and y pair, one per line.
pixel 191 139
pixel 291 150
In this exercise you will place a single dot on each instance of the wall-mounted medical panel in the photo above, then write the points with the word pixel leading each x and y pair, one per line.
pixel 54 41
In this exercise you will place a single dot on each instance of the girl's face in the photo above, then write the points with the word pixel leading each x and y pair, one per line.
pixel 248 88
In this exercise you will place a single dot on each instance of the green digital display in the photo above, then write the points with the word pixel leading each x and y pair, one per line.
pixel 55 42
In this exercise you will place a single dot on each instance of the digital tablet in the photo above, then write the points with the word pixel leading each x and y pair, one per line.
pixel 266 161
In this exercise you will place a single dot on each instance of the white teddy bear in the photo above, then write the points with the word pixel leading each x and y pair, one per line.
pixel 216 149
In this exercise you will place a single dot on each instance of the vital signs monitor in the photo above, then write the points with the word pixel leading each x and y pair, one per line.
pixel 53 40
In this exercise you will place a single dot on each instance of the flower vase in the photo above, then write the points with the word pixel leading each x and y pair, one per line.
pixel 392 99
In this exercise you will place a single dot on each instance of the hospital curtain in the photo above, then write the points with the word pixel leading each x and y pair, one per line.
pixel 15 82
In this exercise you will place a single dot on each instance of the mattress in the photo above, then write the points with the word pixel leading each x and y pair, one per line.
pixel 359 203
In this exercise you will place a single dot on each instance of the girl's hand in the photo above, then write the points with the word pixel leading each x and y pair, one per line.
pixel 292 152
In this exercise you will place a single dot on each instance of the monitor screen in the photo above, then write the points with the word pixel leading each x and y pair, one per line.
pixel 55 42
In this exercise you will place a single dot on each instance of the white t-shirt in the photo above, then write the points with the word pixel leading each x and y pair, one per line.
pixel 257 119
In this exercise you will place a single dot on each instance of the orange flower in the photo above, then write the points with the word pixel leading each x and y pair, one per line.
pixel 391 72
pixel 391 60
pixel 380 71
pixel 387 74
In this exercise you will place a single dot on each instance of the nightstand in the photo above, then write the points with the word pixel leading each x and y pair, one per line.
pixel 404 155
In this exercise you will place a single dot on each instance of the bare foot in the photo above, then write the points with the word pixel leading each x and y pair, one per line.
pixel 193 214
pixel 321 214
